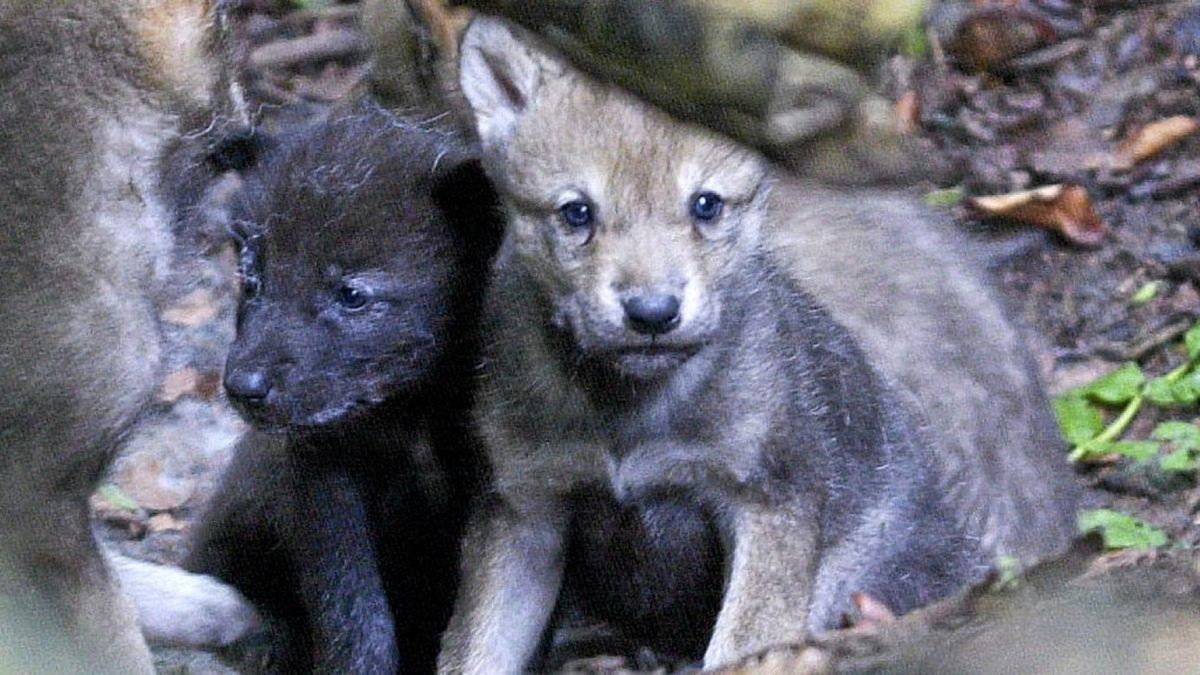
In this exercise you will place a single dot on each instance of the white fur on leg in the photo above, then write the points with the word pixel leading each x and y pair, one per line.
pixel 182 609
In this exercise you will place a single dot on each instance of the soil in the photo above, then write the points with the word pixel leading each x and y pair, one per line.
pixel 1043 96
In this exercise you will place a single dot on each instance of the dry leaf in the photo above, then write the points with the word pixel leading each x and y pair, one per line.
pixel 989 37
pixel 141 477
pixel 1152 139
pixel 178 384
pixel 809 660
pixel 907 110
pixel 872 612
pixel 1066 209
pixel 196 308
pixel 134 522
pixel 164 522
pixel 189 382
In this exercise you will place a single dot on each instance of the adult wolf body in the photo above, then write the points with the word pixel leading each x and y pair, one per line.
pixel 366 240
pixel 639 343
pixel 99 103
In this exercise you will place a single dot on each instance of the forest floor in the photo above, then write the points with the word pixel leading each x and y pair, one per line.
pixel 1010 96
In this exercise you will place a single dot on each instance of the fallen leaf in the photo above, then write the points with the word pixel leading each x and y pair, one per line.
pixel 196 308
pixel 1129 557
pixel 133 521
pixel 1153 138
pixel 1063 208
pixel 989 37
pixel 907 110
pixel 189 382
pixel 178 384
pixel 164 522
pixel 872 612
pixel 141 477
pixel 783 661
pixel 112 496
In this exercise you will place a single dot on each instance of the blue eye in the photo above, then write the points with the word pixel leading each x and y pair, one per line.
pixel 352 298
pixel 577 214
pixel 707 206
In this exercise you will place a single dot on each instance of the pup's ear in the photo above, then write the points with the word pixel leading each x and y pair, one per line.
pixel 465 194
pixel 500 73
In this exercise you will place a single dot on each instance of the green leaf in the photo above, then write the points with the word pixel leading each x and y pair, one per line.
pixel 1138 450
pixel 1183 435
pixel 944 198
pixel 1191 340
pixel 1180 461
pixel 1187 389
pixel 1078 420
pixel 1120 530
pixel 113 495
pixel 1146 293
pixel 914 44
pixel 1118 386
pixel 1008 573
pixel 1160 391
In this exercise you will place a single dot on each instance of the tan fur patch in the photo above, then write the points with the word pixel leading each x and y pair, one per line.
pixel 175 36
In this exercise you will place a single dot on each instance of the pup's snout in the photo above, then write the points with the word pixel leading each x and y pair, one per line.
pixel 652 313
pixel 248 386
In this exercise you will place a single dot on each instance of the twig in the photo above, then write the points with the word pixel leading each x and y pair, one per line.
pixel 333 44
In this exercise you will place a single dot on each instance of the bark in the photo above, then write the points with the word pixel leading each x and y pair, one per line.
pixel 733 65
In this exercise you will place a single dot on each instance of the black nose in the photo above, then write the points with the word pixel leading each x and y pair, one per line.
pixel 652 314
pixel 248 386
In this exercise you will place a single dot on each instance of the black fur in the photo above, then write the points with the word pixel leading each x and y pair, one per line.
pixel 340 516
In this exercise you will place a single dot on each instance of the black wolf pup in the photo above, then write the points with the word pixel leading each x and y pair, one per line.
pixel 364 246
pixel 640 345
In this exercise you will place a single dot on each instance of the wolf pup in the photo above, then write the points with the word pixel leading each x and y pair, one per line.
pixel 638 342
pixel 910 287
pixel 109 112
pixel 365 245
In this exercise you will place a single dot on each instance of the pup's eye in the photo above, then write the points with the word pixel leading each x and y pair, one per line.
pixel 577 214
pixel 707 206
pixel 352 298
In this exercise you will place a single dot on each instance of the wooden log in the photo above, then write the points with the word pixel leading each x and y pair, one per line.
pixel 732 72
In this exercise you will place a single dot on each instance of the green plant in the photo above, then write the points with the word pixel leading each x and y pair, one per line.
pixel 1082 419
pixel 1120 530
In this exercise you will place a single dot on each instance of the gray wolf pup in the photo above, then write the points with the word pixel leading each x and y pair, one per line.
pixel 637 341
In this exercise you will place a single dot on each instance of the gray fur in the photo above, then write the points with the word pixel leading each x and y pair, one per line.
pixel 96 98
pixel 906 284
pixel 758 407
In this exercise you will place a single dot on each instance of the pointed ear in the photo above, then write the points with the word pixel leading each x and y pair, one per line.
pixel 500 73
pixel 466 195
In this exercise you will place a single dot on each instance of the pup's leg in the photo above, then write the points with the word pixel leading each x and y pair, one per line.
pixel 512 569
pixel 183 609
pixel 350 621
pixel 772 565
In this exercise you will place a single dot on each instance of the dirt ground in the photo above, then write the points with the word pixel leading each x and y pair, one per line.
pixel 1028 94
